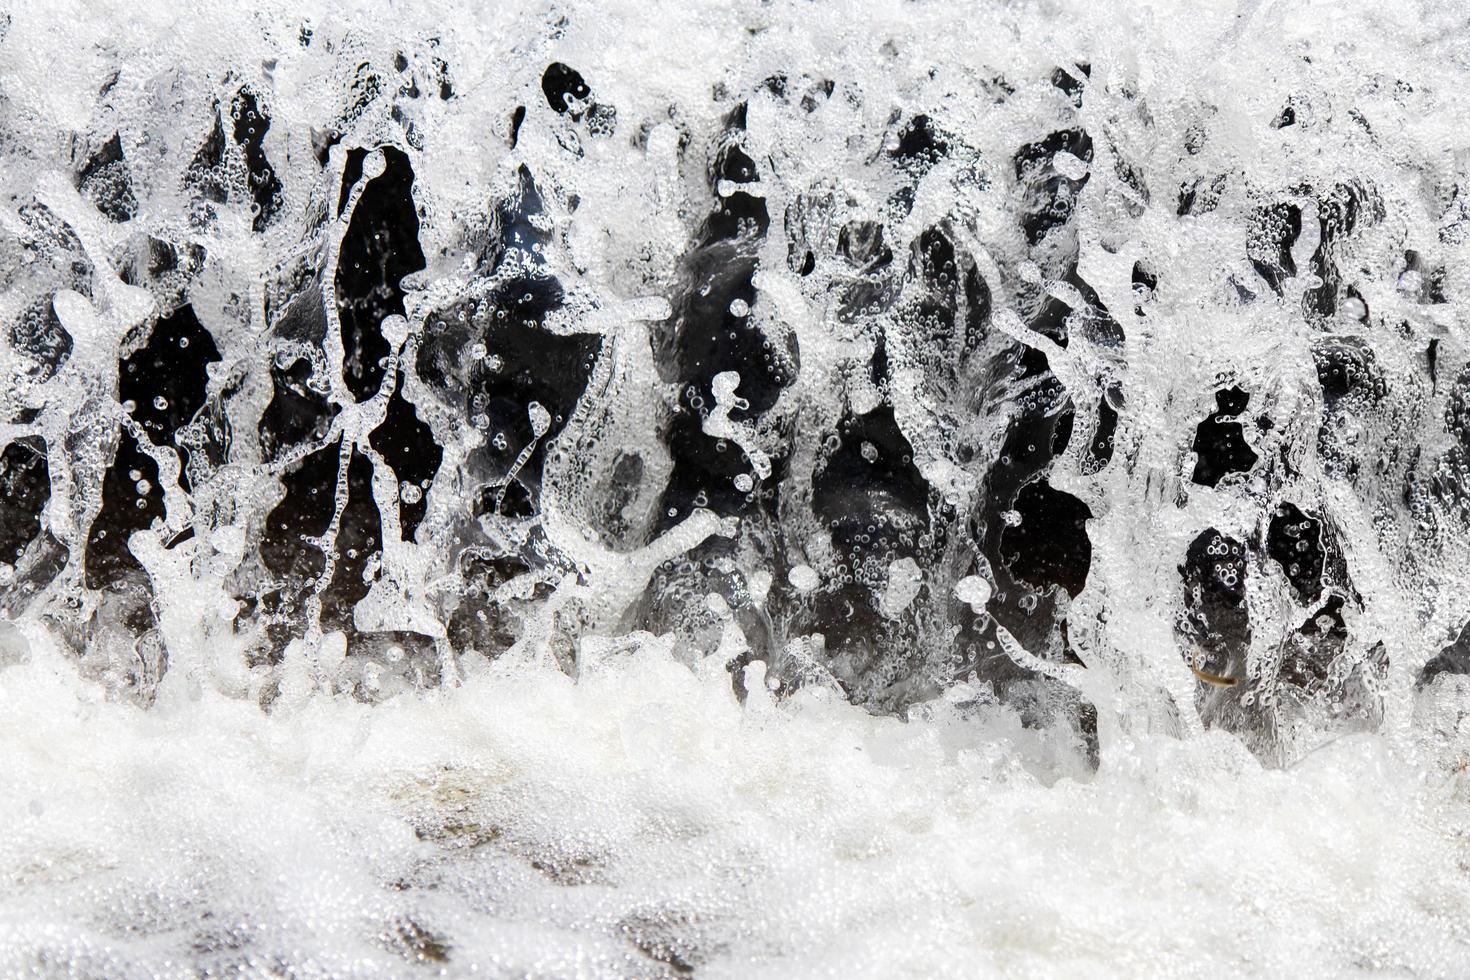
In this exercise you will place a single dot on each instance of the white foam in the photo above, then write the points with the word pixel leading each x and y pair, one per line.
pixel 560 824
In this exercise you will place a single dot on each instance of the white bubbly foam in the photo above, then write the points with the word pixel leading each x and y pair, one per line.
pixel 563 822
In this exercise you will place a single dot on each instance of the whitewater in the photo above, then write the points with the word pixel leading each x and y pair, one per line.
pixel 746 489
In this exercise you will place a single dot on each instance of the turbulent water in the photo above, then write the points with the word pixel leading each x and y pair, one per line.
pixel 746 489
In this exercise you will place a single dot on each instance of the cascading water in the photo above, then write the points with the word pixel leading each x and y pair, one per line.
pixel 747 489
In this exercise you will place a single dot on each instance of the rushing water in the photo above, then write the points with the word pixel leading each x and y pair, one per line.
pixel 643 489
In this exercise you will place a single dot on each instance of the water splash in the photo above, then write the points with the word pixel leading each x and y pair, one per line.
pixel 1100 366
